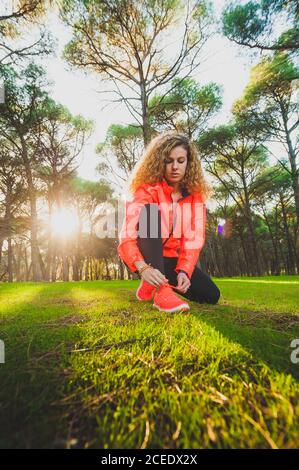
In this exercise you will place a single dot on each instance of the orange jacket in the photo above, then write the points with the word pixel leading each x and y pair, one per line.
pixel 188 236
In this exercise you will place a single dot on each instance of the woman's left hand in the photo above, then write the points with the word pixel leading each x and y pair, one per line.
pixel 183 282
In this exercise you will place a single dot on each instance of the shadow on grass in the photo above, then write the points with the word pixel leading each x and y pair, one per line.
pixel 40 329
pixel 267 336
pixel 37 330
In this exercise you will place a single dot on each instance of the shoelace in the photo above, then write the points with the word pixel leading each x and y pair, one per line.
pixel 167 285
pixel 170 285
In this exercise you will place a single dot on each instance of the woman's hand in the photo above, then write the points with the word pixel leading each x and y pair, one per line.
pixel 183 282
pixel 153 276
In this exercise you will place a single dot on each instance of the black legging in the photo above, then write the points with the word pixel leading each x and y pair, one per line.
pixel 202 289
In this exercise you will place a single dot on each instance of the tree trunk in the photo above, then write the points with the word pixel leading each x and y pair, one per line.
pixel 244 253
pixel 7 219
pixel 1 246
pixel 36 273
pixel 275 269
pixel 291 256
pixel 121 269
pixel 292 160
pixel 86 268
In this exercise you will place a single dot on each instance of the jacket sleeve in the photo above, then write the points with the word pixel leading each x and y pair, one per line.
pixel 192 240
pixel 127 248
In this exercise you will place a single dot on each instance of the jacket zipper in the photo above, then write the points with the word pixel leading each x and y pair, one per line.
pixel 173 220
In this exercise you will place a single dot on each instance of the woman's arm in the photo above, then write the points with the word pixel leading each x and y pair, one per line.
pixel 140 264
pixel 127 248
pixel 192 240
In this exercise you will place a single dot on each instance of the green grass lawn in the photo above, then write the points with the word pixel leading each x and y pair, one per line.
pixel 88 365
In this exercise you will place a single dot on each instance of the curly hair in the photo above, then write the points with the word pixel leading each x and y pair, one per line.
pixel 150 168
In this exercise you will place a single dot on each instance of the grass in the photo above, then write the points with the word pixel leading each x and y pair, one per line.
pixel 87 365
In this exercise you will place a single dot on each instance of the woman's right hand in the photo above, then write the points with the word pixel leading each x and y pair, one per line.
pixel 153 276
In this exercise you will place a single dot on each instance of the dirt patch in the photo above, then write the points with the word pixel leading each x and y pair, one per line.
pixel 66 320
pixel 280 321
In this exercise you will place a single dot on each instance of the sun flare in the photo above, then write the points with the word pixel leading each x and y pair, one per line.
pixel 64 222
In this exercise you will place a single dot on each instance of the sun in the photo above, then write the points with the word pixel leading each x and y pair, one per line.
pixel 64 222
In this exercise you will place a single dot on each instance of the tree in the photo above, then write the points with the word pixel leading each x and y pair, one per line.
pixel 26 102
pixel 87 197
pixel 187 108
pixel 125 42
pixel 270 102
pixel 59 140
pixel 14 18
pixel 274 200
pixel 13 194
pixel 255 23
pixel 119 152
pixel 235 160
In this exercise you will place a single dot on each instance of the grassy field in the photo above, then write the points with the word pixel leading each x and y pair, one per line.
pixel 87 365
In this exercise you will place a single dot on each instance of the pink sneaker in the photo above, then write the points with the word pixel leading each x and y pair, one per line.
pixel 165 300
pixel 145 291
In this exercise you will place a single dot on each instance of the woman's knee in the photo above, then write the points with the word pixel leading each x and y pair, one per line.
pixel 210 297
pixel 203 288
pixel 214 296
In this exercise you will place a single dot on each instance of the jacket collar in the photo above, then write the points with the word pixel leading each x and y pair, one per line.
pixel 169 189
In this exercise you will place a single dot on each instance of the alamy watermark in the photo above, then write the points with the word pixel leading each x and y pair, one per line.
pixel 2 352
pixel 123 220
pixel 2 94
pixel 295 353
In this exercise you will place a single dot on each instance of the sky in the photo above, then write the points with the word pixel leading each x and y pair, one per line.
pixel 222 63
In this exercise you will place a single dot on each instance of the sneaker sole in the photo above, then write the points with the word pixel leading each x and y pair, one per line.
pixel 174 309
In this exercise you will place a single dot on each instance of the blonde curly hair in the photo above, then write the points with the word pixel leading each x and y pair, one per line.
pixel 150 168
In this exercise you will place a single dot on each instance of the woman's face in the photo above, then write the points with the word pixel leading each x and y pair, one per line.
pixel 175 165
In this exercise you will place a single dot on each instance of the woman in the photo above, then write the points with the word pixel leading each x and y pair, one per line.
pixel 168 186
